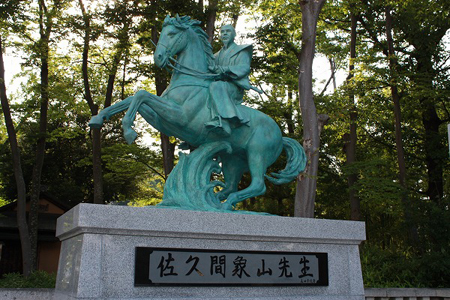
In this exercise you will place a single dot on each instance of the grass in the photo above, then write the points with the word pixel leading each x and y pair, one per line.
pixel 38 279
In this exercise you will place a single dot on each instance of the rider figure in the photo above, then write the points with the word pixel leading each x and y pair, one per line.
pixel 232 66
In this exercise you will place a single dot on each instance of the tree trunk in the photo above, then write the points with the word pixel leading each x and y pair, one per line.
pixel 433 160
pixel 352 138
pixel 434 157
pixel 112 75
pixel 333 72
pixel 97 172
pixel 109 88
pixel 168 151
pixel 96 136
pixel 96 132
pixel 396 100
pixel 45 28
pixel 124 81
pixel 331 79
pixel 211 19
pixel 393 68
pixel 307 181
pixel 288 113
pixel 18 174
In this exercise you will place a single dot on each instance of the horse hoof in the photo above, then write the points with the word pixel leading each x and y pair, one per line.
pixel 130 136
pixel 96 122
pixel 227 206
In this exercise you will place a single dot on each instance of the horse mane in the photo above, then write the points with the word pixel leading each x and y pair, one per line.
pixel 185 22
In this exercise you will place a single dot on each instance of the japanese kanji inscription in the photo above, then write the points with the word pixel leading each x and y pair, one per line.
pixel 156 266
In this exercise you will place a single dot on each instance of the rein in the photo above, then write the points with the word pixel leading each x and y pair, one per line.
pixel 190 71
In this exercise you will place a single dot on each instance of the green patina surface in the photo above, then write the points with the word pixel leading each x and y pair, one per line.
pixel 203 107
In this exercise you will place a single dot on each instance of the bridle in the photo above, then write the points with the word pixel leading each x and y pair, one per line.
pixel 189 71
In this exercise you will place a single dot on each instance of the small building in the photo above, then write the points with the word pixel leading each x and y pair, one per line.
pixel 48 245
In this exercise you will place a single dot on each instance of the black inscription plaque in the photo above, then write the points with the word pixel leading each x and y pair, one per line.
pixel 162 266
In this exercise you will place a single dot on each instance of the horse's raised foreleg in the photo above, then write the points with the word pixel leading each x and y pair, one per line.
pixel 165 109
pixel 97 120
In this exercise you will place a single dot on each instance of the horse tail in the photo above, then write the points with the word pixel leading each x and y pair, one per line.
pixel 296 162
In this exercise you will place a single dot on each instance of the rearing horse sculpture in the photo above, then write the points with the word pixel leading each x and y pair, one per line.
pixel 182 110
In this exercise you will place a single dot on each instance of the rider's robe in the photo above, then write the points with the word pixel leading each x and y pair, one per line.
pixel 226 93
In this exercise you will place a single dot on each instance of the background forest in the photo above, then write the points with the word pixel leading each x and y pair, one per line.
pixel 383 157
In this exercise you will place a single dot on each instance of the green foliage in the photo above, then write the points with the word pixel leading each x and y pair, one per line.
pixel 119 44
pixel 37 279
pixel 390 259
pixel 404 267
pixel 127 173
pixel 151 192
pixel 388 268
pixel 3 202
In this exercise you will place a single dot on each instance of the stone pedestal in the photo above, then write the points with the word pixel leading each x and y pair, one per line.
pixel 97 258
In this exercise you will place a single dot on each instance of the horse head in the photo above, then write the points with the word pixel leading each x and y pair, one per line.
pixel 178 34
pixel 173 38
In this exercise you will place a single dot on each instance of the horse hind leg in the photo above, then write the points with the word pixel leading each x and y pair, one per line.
pixel 233 167
pixel 261 153
pixel 256 188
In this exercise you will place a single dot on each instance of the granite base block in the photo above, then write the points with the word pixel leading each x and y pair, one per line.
pixel 98 251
